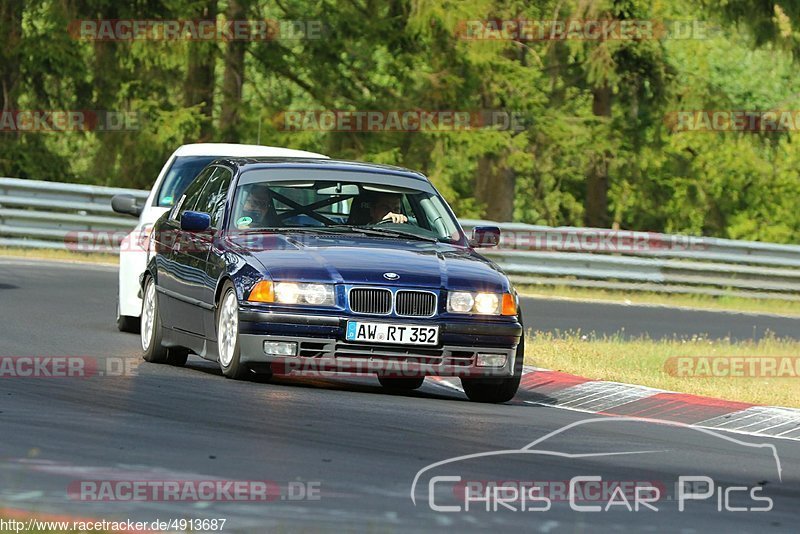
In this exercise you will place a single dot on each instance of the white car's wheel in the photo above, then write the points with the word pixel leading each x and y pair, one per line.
pixel 128 323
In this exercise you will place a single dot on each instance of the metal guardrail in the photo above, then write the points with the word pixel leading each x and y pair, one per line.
pixel 37 214
pixel 645 261
pixel 49 215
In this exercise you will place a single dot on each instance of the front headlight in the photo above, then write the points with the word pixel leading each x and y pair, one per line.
pixel 292 293
pixel 487 304
pixel 460 302
pixel 481 303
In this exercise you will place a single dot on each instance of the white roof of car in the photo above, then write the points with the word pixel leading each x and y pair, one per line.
pixel 243 151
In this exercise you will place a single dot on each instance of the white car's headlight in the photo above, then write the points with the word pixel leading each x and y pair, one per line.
pixel 292 293
pixel 481 303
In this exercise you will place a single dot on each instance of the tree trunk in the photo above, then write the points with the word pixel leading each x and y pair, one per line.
pixel 597 179
pixel 199 85
pixel 10 37
pixel 494 187
pixel 107 78
pixel 233 79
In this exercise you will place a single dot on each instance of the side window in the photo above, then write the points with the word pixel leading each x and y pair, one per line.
pixel 218 212
pixel 210 189
pixel 212 201
pixel 194 190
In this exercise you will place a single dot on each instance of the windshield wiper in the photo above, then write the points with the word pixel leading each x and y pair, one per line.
pixel 303 229
pixel 386 232
pixel 344 228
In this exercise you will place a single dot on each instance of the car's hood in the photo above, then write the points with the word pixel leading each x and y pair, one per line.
pixel 365 260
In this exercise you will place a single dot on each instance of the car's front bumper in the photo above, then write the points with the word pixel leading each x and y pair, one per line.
pixel 322 349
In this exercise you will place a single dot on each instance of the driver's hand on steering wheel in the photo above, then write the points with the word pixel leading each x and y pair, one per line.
pixel 397 218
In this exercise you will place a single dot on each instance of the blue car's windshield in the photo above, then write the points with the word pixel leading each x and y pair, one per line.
pixel 337 202
pixel 180 174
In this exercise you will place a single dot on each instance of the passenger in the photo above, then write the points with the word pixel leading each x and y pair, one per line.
pixel 373 208
pixel 257 209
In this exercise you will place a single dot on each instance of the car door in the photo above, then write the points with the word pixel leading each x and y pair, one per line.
pixel 203 249
pixel 174 265
pixel 192 283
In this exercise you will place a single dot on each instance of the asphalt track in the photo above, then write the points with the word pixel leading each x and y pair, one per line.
pixel 599 319
pixel 361 446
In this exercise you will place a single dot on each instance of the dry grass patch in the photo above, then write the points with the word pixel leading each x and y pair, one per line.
pixel 645 362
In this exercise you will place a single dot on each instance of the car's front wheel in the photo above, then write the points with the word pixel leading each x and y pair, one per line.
pixel 228 335
pixel 151 332
pixel 403 384
pixel 496 390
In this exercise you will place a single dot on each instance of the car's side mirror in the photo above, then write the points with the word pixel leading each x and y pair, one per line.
pixel 126 204
pixel 485 236
pixel 195 221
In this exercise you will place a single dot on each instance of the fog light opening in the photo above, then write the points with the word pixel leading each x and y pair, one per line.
pixel 491 360
pixel 280 348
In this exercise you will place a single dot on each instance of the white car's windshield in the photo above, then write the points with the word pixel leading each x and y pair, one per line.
pixel 180 174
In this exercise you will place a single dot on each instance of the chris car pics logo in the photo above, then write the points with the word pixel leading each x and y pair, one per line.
pixel 445 487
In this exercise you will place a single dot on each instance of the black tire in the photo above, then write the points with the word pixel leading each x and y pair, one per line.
pixel 128 323
pixel 154 352
pixel 177 356
pixel 403 384
pixel 234 369
pixel 260 372
pixel 496 390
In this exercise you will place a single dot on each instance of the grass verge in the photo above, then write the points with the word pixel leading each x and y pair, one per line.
pixel 55 254
pixel 700 302
pixel 647 362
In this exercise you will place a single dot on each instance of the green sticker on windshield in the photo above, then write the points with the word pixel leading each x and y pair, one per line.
pixel 244 221
pixel 168 200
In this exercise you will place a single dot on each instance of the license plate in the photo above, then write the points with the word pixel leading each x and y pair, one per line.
pixel 390 333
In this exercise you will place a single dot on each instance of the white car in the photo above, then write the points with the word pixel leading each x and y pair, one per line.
pixel 179 170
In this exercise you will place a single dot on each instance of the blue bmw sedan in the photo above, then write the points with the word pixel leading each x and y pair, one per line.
pixel 270 266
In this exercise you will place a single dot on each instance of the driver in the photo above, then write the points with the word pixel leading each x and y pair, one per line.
pixel 255 208
pixel 386 207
